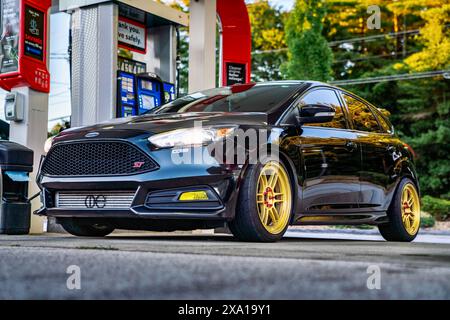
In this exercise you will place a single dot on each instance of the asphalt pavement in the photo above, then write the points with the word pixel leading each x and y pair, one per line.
pixel 304 265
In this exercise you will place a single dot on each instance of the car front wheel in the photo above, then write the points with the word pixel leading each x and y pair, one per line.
pixel 265 204
pixel 403 214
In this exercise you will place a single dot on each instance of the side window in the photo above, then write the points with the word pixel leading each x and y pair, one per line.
pixel 362 116
pixel 290 118
pixel 329 98
pixel 385 124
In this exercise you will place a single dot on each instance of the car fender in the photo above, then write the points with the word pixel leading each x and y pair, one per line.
pixel 404 168
pixel 291 171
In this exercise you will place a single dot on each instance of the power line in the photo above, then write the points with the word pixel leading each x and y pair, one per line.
pixel 405 76
pixel 379 56
pixel 374 37
pixel 385 55
pixel 378 36
pixel 352 40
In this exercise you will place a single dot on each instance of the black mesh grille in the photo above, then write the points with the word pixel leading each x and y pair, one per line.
pixel 96 159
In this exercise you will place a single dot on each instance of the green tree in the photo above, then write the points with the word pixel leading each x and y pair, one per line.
pixel 436 39
pixel 419 108
pixel 430 136
pixel 309 55
pixel 268 40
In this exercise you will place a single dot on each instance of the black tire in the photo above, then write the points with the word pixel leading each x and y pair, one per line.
pixel 79 228
pixel 394 230
pixel 247 226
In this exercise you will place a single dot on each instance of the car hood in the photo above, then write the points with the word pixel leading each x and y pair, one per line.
pixel 124 128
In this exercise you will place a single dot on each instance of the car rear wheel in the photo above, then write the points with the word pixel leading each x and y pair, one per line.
pixel 265 204
pixel 403 214
pixel 80 228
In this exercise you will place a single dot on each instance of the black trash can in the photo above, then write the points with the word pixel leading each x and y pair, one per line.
pixel 16 162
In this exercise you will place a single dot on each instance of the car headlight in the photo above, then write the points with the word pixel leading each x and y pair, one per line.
pixel 191 137
pixel 48 144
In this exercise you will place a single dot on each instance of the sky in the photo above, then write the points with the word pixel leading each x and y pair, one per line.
pixel 59 101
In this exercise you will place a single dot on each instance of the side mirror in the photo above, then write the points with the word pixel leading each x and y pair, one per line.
pixel 316 113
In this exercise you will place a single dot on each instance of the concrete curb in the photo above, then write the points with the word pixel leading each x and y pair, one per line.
pixel 364 232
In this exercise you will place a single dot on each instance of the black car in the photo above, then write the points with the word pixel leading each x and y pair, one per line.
pixel 333 159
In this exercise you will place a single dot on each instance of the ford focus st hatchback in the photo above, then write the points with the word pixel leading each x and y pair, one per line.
pixel 258 157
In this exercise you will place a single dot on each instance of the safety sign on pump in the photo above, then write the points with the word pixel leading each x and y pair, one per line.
pixel 23 44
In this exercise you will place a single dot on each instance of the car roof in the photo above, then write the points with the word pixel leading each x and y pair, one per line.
pixel 301 83
pixel 281 82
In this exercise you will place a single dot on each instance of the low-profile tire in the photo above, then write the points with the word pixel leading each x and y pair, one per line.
pixel 80 228
pixel 256 203
pixel 403 214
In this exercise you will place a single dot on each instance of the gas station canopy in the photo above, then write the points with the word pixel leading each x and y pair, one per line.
pixel 157 14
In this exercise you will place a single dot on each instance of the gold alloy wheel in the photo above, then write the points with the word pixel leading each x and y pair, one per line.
pixel 410 207
pixel 274 197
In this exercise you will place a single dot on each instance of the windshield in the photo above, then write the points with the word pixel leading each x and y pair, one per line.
pixel 238 98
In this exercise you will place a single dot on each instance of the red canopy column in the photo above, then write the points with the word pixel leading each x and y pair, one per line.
pixel 236 41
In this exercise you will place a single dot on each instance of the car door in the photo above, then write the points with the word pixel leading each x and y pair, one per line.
pixel 330 158
pixel 378 153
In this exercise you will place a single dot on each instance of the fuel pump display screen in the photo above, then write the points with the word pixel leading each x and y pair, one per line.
pixel 147 85
pixel 148 102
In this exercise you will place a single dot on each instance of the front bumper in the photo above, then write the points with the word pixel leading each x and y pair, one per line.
pixel 222 180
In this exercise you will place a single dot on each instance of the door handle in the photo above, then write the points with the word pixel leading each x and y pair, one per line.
pixel 351 146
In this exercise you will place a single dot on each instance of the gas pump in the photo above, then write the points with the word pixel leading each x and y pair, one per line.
pixel 141 93
pixel 133 37
pixel 150 92
pixel 126 94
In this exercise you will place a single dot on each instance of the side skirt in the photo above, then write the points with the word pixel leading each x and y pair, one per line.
pixel 372 218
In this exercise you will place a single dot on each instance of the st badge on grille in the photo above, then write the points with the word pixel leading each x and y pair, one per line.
pixel 138 164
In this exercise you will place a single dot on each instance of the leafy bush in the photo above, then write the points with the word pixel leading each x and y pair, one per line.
pixel 427 221
pixel 438 208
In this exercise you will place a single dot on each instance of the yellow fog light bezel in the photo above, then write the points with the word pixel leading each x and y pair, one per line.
pixel 194 196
